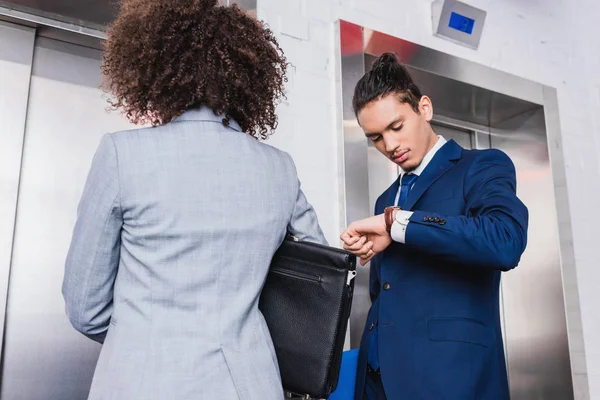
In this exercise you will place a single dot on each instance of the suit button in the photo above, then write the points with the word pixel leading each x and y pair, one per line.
pixel 372 326
pixel 443 222
pixel 387 286
pixel 426 219
pixel 436 219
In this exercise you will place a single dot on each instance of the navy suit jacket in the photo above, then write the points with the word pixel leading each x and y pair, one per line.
pixel 435 299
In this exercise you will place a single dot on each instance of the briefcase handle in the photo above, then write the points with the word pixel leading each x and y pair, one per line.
pixel 351 275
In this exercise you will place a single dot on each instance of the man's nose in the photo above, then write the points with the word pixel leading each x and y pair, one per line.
pixel 390 145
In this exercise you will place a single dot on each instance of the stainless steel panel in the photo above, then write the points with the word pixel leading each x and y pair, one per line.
pixel 356 173
pixel 442 11
pixel 483 140
pixel 535 324
pixel 339 129
pixel 461 136
pixel 243 4
pixel 16 54
pixel 466 102
pixel 567 255
pixel 458 69
pixel 44 358
pixel 58 20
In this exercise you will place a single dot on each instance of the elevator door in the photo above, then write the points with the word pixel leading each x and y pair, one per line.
pixel 43 357
pixel 532 301
pixel 465 138
pixel 535 326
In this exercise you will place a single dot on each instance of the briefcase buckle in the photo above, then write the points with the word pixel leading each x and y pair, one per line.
pixel 351 276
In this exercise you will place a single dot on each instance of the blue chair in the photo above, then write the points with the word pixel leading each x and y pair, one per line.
pixel 347 381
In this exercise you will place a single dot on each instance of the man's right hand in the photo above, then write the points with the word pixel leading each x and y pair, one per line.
pixel 367 237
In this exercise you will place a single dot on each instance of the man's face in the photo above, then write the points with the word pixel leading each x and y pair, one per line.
pixel 397 131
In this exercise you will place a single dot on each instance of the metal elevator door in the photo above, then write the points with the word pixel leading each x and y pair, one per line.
pixel 43 357
pixel 534 332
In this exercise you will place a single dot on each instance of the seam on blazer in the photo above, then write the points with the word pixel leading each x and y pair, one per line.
pixel 87 283
pixel 91 270
pixel 112 140
pixel 220 265
pixel 235 386
pixel 297 186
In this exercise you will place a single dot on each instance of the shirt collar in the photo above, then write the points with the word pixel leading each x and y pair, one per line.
pixel 428 157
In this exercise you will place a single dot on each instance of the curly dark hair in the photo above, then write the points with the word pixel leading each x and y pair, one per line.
pixel 387 76
pixel 163 57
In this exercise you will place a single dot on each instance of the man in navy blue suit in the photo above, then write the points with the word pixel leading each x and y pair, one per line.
pixel 440 238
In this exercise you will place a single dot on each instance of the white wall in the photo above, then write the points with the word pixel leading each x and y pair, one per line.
pixel 553 42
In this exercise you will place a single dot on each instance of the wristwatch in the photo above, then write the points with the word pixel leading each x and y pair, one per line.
pixel 389 217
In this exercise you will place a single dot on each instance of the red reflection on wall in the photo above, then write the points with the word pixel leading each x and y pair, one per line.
pixel 352 38
pixel 380 43
pixel 377 43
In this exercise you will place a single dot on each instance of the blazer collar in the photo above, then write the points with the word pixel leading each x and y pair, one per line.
pixel 207 115
pixel 442 162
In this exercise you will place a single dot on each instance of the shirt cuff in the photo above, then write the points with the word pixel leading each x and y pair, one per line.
pixel 398 231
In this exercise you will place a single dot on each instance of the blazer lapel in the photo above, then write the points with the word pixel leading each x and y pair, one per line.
pixel 441 163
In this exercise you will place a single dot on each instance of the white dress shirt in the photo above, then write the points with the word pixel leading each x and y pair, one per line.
pixel 398 231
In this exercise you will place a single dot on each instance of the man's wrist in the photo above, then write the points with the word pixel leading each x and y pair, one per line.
pixel 401 222
pixel 389 217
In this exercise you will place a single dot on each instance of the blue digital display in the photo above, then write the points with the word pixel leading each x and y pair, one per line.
pixel 461 23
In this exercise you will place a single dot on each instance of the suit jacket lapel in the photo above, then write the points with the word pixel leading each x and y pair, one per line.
pixel 441 163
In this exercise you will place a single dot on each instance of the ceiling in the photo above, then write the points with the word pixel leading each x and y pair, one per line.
pixel 90 13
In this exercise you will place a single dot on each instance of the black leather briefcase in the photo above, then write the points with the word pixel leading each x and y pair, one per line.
pixel 306 302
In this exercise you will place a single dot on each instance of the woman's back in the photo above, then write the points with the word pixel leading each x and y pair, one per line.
pixel 177 224
pixel 203 209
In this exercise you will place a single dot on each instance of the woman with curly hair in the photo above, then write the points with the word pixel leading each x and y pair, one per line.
pixel 178 222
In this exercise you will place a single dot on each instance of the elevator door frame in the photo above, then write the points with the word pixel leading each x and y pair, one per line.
pixel 16 61
pixel 352 46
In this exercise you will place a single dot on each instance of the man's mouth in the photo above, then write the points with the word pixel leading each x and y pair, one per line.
pixel 400 157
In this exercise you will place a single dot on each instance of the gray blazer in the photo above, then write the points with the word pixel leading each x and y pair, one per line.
pixel 175 232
